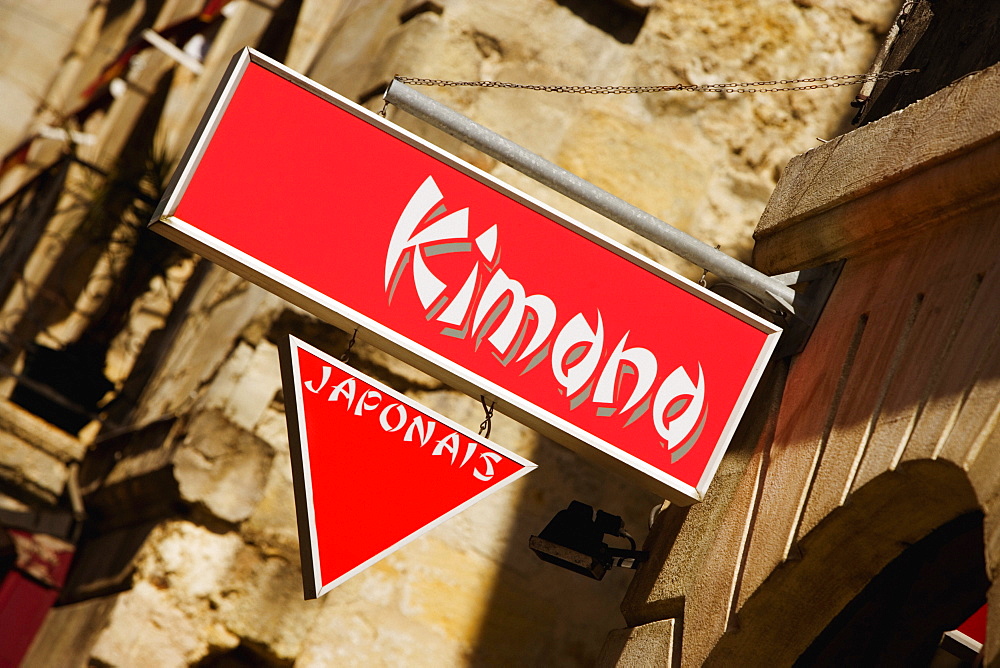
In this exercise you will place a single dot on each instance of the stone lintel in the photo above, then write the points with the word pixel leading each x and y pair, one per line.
pixel 35 431
pixel 917 168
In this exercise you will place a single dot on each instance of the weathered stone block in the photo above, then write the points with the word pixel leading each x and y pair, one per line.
pixel 26 466
pixel 266 608
pixel 273 522
pixel 246 384
pixel 222 467
pixel 23 425
pixel 146 625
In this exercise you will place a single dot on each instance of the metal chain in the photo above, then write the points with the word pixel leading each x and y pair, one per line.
pixel 487 424
pixel 776 86
pixel 346 357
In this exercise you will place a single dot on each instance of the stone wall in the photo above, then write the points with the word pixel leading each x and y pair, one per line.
pixel 190 553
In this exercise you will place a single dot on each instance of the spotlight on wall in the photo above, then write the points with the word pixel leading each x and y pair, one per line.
pixel 574 540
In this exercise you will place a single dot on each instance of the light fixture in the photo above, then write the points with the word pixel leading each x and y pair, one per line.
pixel 574 540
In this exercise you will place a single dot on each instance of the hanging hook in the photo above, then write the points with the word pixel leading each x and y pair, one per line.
pixel 385 98
pixel 704 273
pixel 350 344
pixel 487 423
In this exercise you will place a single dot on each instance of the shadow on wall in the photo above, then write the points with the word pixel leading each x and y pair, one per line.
pixel 570 614
pixel 622 19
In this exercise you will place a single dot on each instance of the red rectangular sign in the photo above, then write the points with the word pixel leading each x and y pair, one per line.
pixel 368 226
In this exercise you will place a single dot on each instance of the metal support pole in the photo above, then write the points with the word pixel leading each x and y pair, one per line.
pixel 772 292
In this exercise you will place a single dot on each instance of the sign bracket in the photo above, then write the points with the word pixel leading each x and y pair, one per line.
pixel 774 293
pixel 818 282
pixel 814 284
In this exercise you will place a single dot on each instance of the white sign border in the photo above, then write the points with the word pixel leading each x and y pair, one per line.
pixel 330 310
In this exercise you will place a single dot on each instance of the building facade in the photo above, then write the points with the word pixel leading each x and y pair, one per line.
pixel 857 524
pixel 144 467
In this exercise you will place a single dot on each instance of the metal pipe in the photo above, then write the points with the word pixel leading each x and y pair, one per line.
pixel 772 292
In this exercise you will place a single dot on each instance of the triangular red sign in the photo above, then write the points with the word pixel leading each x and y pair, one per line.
pixel 372 470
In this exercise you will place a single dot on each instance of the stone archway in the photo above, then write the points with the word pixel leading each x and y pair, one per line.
pixel 839 559
pixel 933 587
